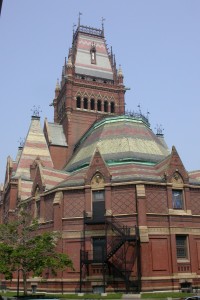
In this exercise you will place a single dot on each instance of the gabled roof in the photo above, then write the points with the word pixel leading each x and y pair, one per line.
pixel 35 146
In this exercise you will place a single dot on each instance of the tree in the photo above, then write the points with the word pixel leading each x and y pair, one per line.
pixel 23 247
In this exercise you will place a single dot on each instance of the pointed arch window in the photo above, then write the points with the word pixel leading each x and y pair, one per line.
pixel 37 203
pixel 177 191
pixel 78 102
pixel 99 105
pixel 85 103
pixel 92 104
pixel 105 106
pixel 93 53
pixel 112 107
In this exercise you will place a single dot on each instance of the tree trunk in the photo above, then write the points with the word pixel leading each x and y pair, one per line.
pixel 24 282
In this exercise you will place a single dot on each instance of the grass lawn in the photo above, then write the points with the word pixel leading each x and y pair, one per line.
pixel 66 296
pixel 165 295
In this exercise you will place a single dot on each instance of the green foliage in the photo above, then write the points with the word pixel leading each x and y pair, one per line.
pixel 23 247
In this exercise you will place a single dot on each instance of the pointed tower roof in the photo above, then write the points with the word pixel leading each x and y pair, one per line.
pixel 90 41
pixel 34 146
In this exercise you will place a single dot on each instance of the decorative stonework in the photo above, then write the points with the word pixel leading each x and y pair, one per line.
pixel 97 181
pixel 58 198
pixel 140 190
pixel 177 179
pixel 144 235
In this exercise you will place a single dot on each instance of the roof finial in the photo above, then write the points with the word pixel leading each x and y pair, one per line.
pixel 21 142
pixel 36 111
pixel 74 25
pixel 102 23
pixel 57 85
pixel 159 129
pixel 79 18
pixel 120 73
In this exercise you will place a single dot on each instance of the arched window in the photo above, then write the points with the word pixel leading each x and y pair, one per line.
pixel 37 203
pixel 93 53
pixel 92 104
pixel 85 103
pixel 99 105
pixel 112 107
pixel 78 102
pixel 106 106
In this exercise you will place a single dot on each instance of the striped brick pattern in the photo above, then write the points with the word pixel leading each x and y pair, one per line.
pixel 120 139
pixel 83 65
pixel 35 146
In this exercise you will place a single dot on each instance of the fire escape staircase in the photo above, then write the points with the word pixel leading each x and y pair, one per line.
pixel 117 234
pixel 122 235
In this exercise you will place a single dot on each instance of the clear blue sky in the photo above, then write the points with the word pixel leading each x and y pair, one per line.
pixel 156 42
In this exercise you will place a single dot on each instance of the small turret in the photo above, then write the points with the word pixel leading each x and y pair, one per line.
pixel 69 66
pixel 120 75
pixel 57 89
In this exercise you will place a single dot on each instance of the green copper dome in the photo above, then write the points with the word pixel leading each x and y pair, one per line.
pixel 120 139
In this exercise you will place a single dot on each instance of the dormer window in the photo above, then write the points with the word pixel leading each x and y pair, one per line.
pixel 93 53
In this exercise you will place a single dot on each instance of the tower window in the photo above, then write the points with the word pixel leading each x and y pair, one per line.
pixel 85 103
pixel 99 105
pixel 181 247
pixel 106 106
pixel 92 104
pixel 112 108
pixel 177 198
pixel 78 102
pixel 93 53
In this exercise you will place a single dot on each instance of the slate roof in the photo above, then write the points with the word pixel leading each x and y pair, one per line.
pixel 56 134
pixel 119 139
pixel 83 65
pixel 35 146
pixel 194 177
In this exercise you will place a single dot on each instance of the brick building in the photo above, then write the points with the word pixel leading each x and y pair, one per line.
pixel 127 209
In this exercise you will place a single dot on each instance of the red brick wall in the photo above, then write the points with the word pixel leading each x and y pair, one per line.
pixel 195 200
pixel 123 200
pixel 74 203
pixel 156 199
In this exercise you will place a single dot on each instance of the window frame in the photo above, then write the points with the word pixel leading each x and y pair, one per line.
pixel 182 247
pixel 178 204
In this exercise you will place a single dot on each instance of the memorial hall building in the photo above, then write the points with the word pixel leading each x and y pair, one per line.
pixel 127 209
